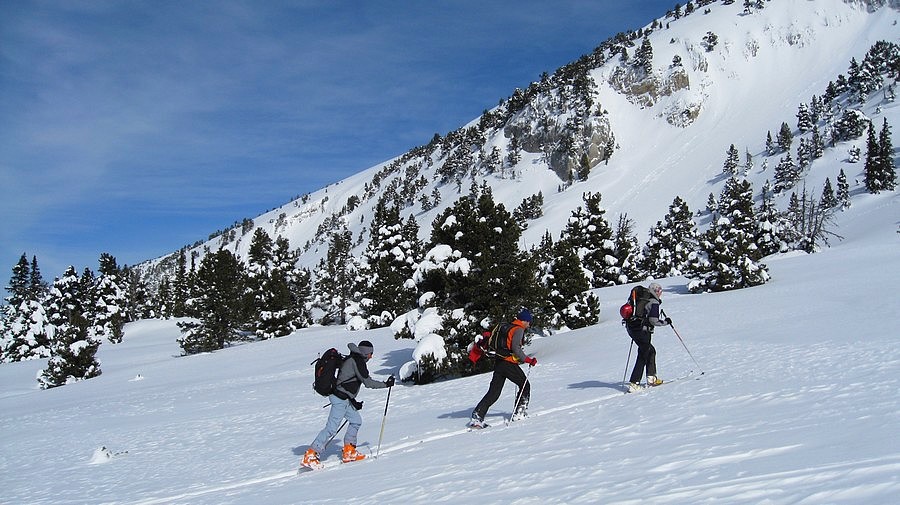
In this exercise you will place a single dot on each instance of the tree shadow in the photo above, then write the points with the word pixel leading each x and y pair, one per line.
pixel 393 360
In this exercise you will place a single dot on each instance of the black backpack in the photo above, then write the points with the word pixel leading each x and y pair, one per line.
pixel 325 373
pixel 632 311
pixel 498 342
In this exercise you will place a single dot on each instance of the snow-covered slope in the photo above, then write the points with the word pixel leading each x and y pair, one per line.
pixel 797 404
pixel 763 67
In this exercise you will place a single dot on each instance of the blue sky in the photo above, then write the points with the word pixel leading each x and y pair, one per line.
pixel 136 128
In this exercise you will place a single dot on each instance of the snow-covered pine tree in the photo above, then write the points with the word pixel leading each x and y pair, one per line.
pixel 829 200
pixel 874 174
pixel 23 325
pixel 843 190
pixel 181 286
pixel 589 234
pixel 278 309
pixel 222 303
pixel 672 244
pixel 730 244
pixel 774 231
pixel 473 273
pixel 804 119
pixel 785 138
pixel 137 295
pixel 571 304
pixel 162 301
pixel 732 160
pixel 787 174
pixel 886 168
pixel 387 265
pixel 627 251
pixel 336 275
pixel 73 347
pixel 109 312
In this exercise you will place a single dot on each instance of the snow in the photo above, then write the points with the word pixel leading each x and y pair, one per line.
pixel 797 401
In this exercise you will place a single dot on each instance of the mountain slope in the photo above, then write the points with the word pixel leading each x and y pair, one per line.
pixel 797 404
pixel 763 67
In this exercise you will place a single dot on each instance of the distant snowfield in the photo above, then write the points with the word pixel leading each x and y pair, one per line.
pixel 797 403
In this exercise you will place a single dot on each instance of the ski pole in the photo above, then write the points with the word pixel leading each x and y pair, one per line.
pixel 383 419
pixel 627 361
pixel 519 396
pixel 335 434
pixel 684 345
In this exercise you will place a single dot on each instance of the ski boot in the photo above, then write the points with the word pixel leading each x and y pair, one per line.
pixel 476 423
pixel 351 455
pixel 653 380
pixel 520 412
pixel 633 387
pixel 311 460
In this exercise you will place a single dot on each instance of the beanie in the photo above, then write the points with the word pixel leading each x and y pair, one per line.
pixel 525 316
pixel 365 348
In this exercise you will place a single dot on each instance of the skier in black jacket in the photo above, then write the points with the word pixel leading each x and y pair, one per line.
pixel 641 331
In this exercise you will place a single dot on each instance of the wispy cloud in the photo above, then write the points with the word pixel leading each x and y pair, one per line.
pixel 174 116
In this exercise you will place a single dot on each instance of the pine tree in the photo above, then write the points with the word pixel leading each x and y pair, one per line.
pixel 137 296
pixel 829 200
pixel 786 174
pixel 886 158
pixel 568 291
pixel 673 243
pixel 589 234
pixel 387 265
pixel 804 119
pixel 843 191
pixel 23 325
pixel 162 302
pixel 627 251
pixel 785 138
pixel 474 271
pixel 278 306
pixel 73 347
pixel 774 231
pixel 730 245
pixel 732 159
pixel 37 287
pixel 335 275
pixel 181 286
pixel 109 314
pixel 222 303
pixel 770 144
pixel 643 57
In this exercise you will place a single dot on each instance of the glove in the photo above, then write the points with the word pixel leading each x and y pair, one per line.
pixel 356 404
pixel 531 360
pixel 389 382
pixel 669 321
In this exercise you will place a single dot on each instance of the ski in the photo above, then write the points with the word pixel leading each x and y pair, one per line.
pixel 645 387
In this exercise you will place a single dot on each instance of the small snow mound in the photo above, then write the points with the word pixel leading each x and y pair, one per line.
pixel 136 378
pixel 101 455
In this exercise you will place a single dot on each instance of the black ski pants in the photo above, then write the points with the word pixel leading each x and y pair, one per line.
pixel 504 370
pixel 646 355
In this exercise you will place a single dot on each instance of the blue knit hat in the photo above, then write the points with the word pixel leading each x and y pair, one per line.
pixel 525 316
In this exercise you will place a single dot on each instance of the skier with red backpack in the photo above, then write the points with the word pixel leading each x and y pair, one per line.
pixel 352 374
pixel 506 366
pixel 646 315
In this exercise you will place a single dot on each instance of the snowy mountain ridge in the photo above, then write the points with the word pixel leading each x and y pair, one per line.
pixel 645 134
